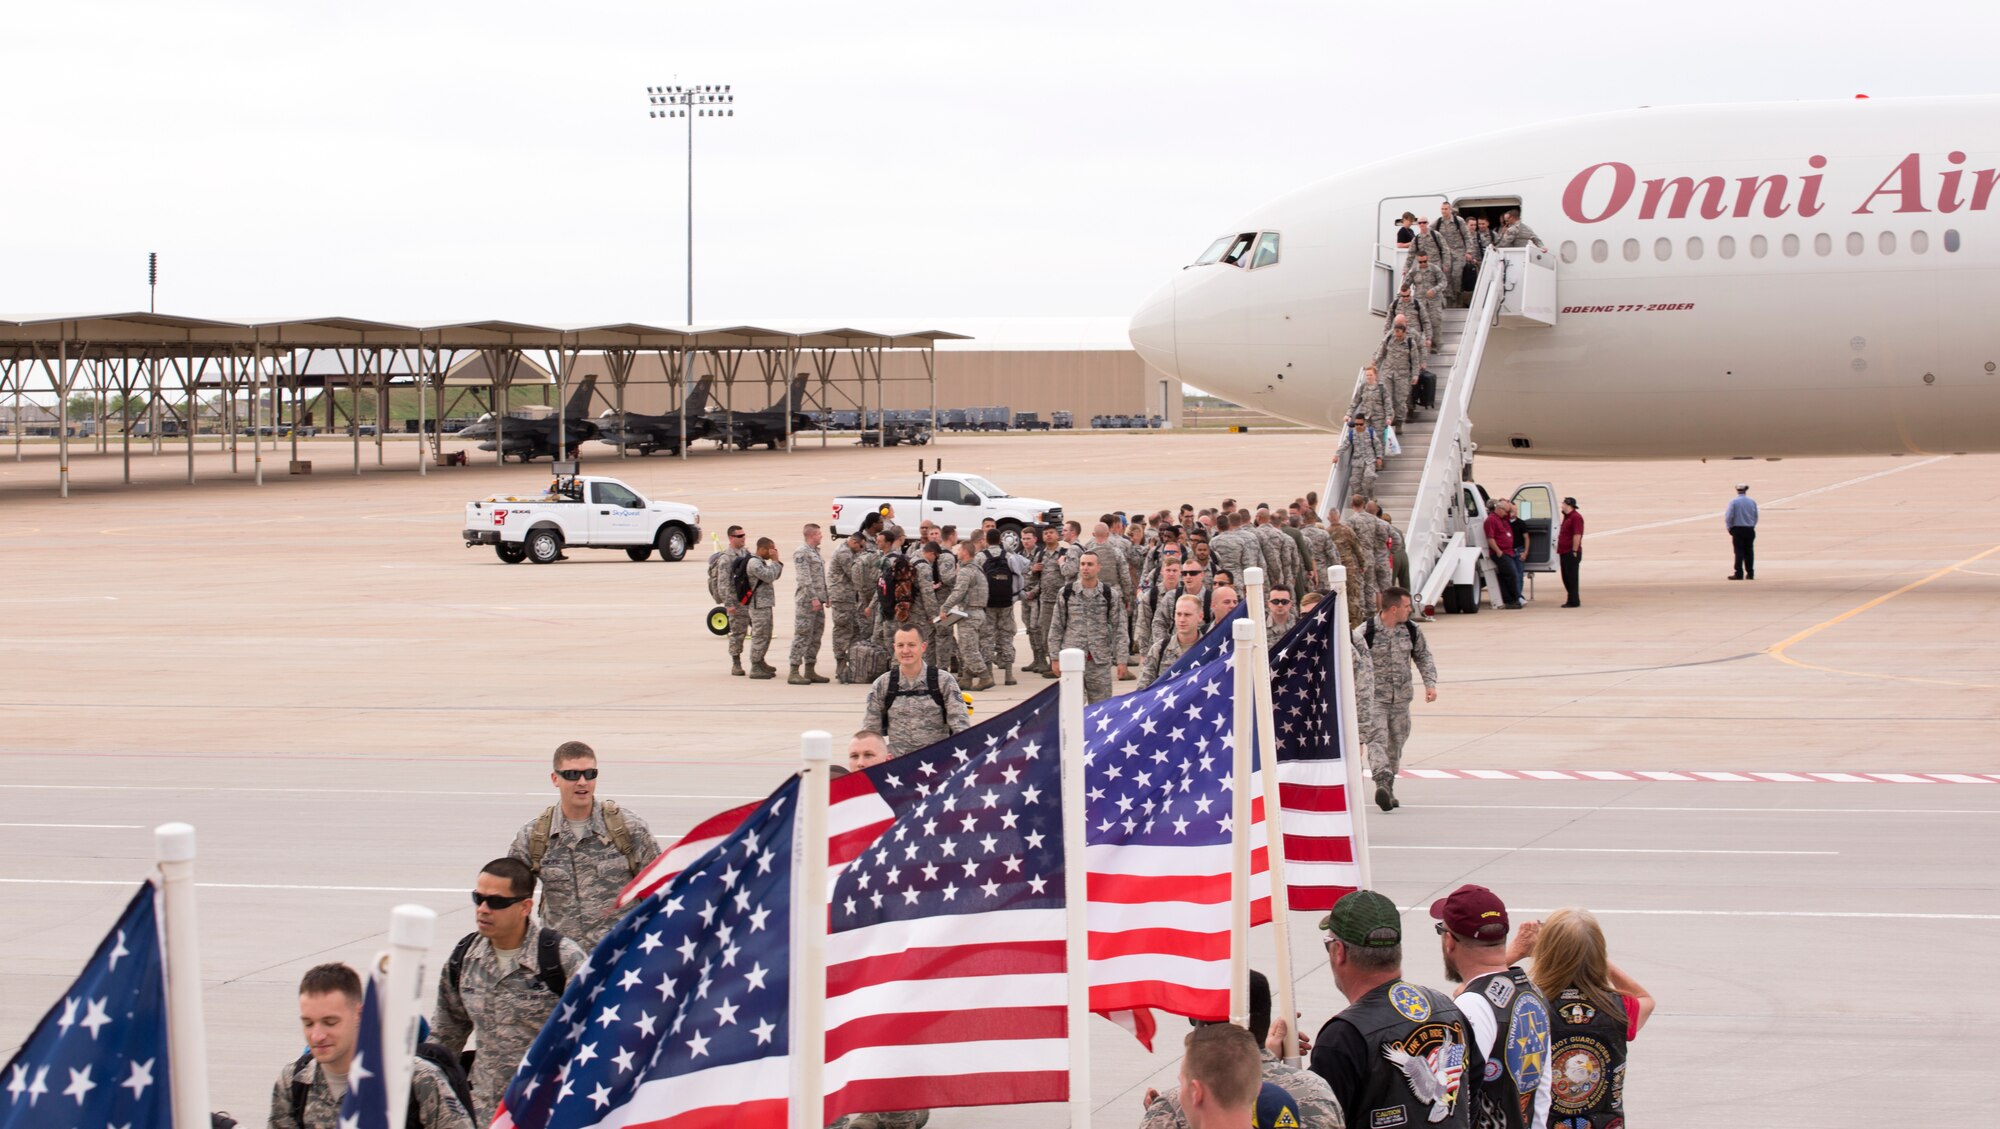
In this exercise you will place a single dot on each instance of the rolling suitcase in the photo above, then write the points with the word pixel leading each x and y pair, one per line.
pixel 865 663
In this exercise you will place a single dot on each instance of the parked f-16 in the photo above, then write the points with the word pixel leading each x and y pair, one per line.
pixel 528 438
pixel 648 433
pixel 747 429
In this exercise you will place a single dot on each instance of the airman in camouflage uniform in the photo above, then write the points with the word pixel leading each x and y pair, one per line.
pixel 1399 359
pixel 912 719
pixel 1113 567
pixel 436 1106
pixel 583 866
pixel 864 571
pixel 1281 563
pixel 1059 567
pixel 1031 599
pixel 1322 550
pixel 1430 243
pixel 996 635
pixel 1165 590
pixel 505 1003
pixel 1427 282
pixel 765 568
pixel 841 599
pixel 330 998
pixel 1309 1093
pixel 810 598
pixel 1415 317
pixel 1374 535
pixel 1170 646
pixel 739 615
pixel 943 644
pixel 1237 550
pixel 1397 644
pixel 964 610
pixel 1090 614
pixel 1457 237
pixel 1360 573
pixel 1366 454
pixel 1514 233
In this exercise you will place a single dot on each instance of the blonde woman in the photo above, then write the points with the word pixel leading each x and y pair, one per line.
pixel 1596 1011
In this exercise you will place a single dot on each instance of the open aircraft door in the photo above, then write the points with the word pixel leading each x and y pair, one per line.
pixel 1536 502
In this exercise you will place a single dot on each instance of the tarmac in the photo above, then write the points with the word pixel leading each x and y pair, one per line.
pixel 356 711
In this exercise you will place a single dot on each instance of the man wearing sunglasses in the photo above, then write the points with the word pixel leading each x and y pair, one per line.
pixel 502 981
pixel 583 850
pixel 1280 617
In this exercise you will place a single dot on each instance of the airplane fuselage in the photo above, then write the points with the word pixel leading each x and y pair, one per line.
pixel 1733 281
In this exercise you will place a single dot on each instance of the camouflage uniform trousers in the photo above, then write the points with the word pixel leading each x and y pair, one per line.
pixel 739 628
pixel 846 629
pixel 808 628
pixel 1385 757
pixel 760 634
pixel 996 636
pixel 436 1106
pixel 1045 613
pixel 970 634
pixel 1098 678
pixel 1038 646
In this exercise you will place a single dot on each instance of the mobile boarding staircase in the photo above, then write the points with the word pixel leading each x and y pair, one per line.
pixel 1427 490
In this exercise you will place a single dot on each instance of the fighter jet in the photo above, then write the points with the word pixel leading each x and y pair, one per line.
pixel 535 438
pixel 747 429
pixel 648 433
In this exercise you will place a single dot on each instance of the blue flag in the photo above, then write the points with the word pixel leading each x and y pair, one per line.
pixel 366 1105
pixel 99 1057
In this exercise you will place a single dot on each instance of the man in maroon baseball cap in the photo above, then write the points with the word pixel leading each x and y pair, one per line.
pixel 1509 1020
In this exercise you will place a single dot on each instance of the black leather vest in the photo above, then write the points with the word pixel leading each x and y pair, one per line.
pixel 1589 1064
pixel 1417 1059
pixel 1509 1075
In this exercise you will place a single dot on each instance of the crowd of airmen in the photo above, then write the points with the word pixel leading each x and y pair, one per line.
pixel 1441 261
pixel 921 619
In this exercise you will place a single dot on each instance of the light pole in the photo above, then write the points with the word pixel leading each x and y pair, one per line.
pixel 690 102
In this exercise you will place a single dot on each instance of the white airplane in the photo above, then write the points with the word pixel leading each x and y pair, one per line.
pixel 1746 281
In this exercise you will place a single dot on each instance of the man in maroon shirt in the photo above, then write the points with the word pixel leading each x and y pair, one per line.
pixel 1500 546
pixel 1569 550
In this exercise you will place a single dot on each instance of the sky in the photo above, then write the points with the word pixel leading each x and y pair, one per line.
pixel 889 162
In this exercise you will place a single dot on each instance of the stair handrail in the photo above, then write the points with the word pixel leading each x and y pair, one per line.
pixel 1451 441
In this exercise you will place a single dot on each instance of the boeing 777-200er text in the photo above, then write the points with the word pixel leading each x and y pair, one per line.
pixel 1746 281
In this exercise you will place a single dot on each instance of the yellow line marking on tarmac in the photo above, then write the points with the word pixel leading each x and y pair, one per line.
pixel 1777 650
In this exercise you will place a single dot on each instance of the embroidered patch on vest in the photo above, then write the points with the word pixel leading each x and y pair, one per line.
pixel 1410 1002
pixel 1499 990
pixel 1582 1073
pixel 1388 1118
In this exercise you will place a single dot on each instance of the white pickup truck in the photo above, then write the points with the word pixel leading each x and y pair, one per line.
pixel 947 498
pixel 581 511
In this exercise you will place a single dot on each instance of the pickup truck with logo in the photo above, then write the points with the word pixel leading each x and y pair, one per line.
pixel 581 512
pixel 947 498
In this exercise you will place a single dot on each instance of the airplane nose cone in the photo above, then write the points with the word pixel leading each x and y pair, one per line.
pixel 1152 332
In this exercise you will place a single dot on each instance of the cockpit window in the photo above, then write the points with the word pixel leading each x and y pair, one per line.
pixel 1215 251
pixel 1240 247
pixel 1267 250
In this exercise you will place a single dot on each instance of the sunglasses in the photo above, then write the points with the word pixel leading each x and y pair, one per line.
pixel 575 774
pixel 1280 603
pixel 496 901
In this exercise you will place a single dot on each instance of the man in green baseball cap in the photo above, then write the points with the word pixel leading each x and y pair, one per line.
pixel 1397 1055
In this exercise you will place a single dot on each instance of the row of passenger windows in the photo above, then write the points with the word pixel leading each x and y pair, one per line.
pixel 1919 243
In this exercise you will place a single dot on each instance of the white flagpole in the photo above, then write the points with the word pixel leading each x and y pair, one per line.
pixel 1351 752
pixel 809 910
pixel 411 929
pixel 187 1036
pixel 1274 824
pixel 1243 635
pixel 1076 885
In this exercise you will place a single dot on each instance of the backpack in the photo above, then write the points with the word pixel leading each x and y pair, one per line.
pixel 1368 632
pixel 431 1052
pixel 896 690
pixel 548 962
pixel 739 580
pixel 866 662
pixel 999 579
pixel 614 822
pixel 716 591
pixel 898 587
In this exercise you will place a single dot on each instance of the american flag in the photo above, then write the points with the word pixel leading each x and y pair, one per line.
pixel 681 1017
pixel 1159 783
pixel 946 981
pixel 99 1057
pixel 366 1105
pixel 684 853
